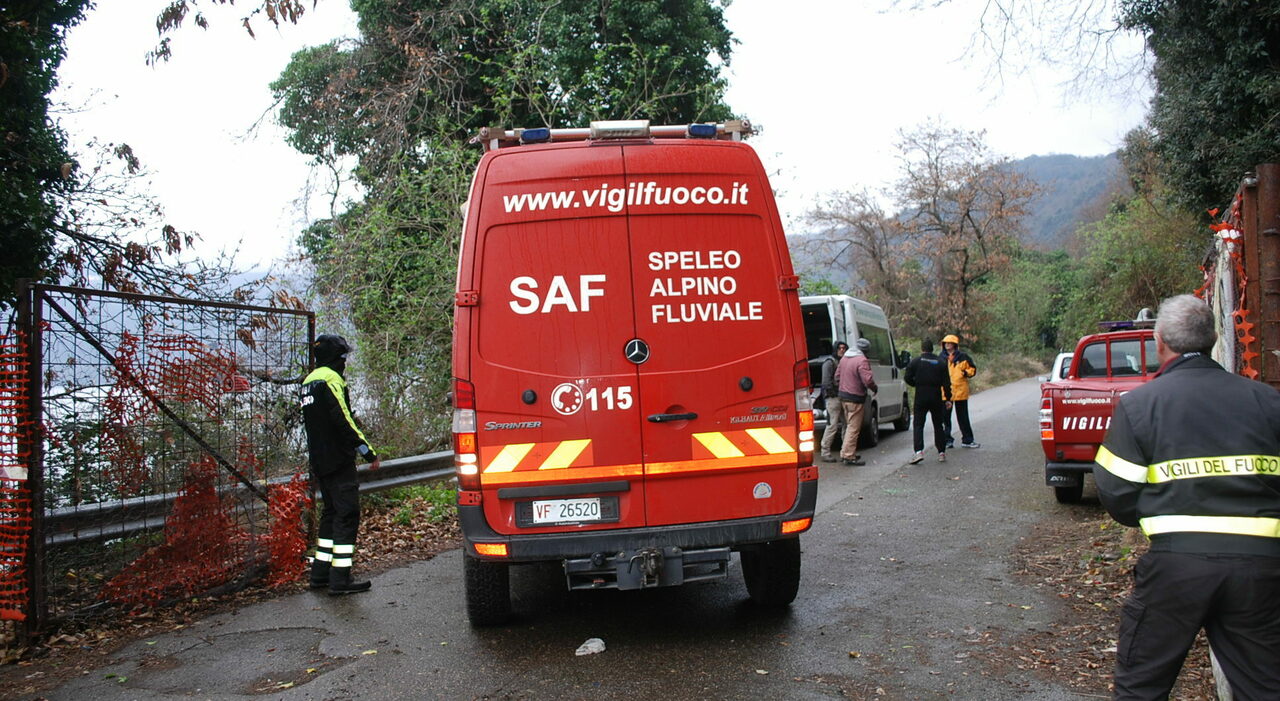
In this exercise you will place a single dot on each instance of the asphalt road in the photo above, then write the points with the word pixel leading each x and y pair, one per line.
pixel 905 595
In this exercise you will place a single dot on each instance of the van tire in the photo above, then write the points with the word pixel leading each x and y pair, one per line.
pixel 1069 495
pixel 488 591
pixel 870 435
pixel 903 422
pixel 772 572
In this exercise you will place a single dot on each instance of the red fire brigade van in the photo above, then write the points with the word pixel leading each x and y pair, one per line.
pixel 630 376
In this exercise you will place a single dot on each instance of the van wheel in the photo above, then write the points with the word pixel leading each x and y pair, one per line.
pixel 870 436
pixel 903 422
pixel 772 572
pixel 1069 495
pixel 488 591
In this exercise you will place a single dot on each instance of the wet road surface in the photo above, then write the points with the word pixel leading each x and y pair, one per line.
pixel 905 594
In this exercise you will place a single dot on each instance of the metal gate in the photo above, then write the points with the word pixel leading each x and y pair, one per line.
pixel 151 450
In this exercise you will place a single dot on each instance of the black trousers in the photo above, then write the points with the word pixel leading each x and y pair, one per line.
pixel 936 409
pixel 962 418
pixel 1235 598
pixel 340 515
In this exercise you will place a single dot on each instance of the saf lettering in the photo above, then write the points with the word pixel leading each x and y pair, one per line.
pixel 559 294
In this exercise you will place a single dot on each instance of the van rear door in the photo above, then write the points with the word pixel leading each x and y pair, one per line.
pixel 716 334
pixel 556 400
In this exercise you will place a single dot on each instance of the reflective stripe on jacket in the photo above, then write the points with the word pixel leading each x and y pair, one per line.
pixel 1193 457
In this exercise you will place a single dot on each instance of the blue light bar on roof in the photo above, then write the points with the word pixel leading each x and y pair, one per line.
pixel 702 131
pixel 535 136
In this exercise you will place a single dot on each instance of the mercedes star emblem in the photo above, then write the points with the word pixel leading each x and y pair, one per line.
pixel 637 351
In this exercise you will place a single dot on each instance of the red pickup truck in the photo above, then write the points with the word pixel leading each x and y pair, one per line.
pixel 1076 412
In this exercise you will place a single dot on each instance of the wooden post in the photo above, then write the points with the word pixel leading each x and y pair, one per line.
pixel 1265 273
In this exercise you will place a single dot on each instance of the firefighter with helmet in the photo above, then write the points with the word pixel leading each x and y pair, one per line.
pixel 333 441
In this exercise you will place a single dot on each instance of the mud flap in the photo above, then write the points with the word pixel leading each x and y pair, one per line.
pixel 647 567
pixel 1062 479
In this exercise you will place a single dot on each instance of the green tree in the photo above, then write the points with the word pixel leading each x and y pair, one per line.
pixel 34 163
pixel 1216 111
pixel 1028 302
pixel 1141 253
pixel 400 104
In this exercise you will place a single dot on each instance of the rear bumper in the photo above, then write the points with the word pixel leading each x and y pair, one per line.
pixel 1066 474
pixel 561 546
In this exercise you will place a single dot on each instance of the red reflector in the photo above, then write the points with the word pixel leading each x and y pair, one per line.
pixel 796 526
pixel 464 394
pixel 808 474
pixel 467 497
pixel 1046 435
pixel 801 374
pixel 492 549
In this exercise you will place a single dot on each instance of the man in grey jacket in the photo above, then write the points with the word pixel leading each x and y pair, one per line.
pixel 831 391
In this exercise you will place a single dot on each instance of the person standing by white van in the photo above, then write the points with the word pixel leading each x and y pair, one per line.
pixel 831 394
pixel 856 382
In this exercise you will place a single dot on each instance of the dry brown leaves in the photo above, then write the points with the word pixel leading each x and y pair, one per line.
pixel 388 538
pixel 1088 564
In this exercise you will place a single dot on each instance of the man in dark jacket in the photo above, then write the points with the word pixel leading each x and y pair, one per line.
pixel 831 400
pixel 333 440
pixel 1193 457
pixel 932 380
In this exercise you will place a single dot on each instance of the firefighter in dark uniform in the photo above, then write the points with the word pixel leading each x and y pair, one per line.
pixel 334 440
pixel 932 379
pixel 1193 457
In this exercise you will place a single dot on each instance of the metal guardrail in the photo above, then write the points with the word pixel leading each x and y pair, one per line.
pixel 120 519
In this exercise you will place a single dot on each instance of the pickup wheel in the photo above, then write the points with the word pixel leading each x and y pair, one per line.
pixel 488 591
pixel 772 572
pixel 903 422
pixel 1069 495
pixel 870 435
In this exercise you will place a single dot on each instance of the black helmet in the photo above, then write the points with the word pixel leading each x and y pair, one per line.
pixel 330 347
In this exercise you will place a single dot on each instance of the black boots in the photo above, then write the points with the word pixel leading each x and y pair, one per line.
pixel 319 574
pixel 340 582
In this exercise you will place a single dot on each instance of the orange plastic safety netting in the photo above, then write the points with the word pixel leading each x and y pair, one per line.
pixel 15 495
pixel 171 442
pixel 168 368
pixel 205 546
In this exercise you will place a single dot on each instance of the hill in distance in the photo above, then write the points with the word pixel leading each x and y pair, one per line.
pixel 1072 193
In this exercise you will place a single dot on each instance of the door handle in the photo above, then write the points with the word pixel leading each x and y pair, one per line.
pixel 663 418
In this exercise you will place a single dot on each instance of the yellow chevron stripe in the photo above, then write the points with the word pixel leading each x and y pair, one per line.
pixel 509 457
pixel 770 440
pixel 564 454
pixel 719 446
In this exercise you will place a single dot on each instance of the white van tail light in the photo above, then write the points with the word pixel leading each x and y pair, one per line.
pixel 466 459
pixel 804 415
pixel 1046 418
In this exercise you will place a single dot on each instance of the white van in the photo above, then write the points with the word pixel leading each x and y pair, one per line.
pixel 829 319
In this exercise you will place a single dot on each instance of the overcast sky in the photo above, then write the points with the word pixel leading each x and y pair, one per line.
pixel 830 81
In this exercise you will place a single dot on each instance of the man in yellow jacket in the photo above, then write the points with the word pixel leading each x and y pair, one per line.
pixel 962 368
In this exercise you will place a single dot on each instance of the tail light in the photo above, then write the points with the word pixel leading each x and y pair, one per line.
pixel 465 453
pixel 804 414
pixel 796 526
pixel 1046 418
